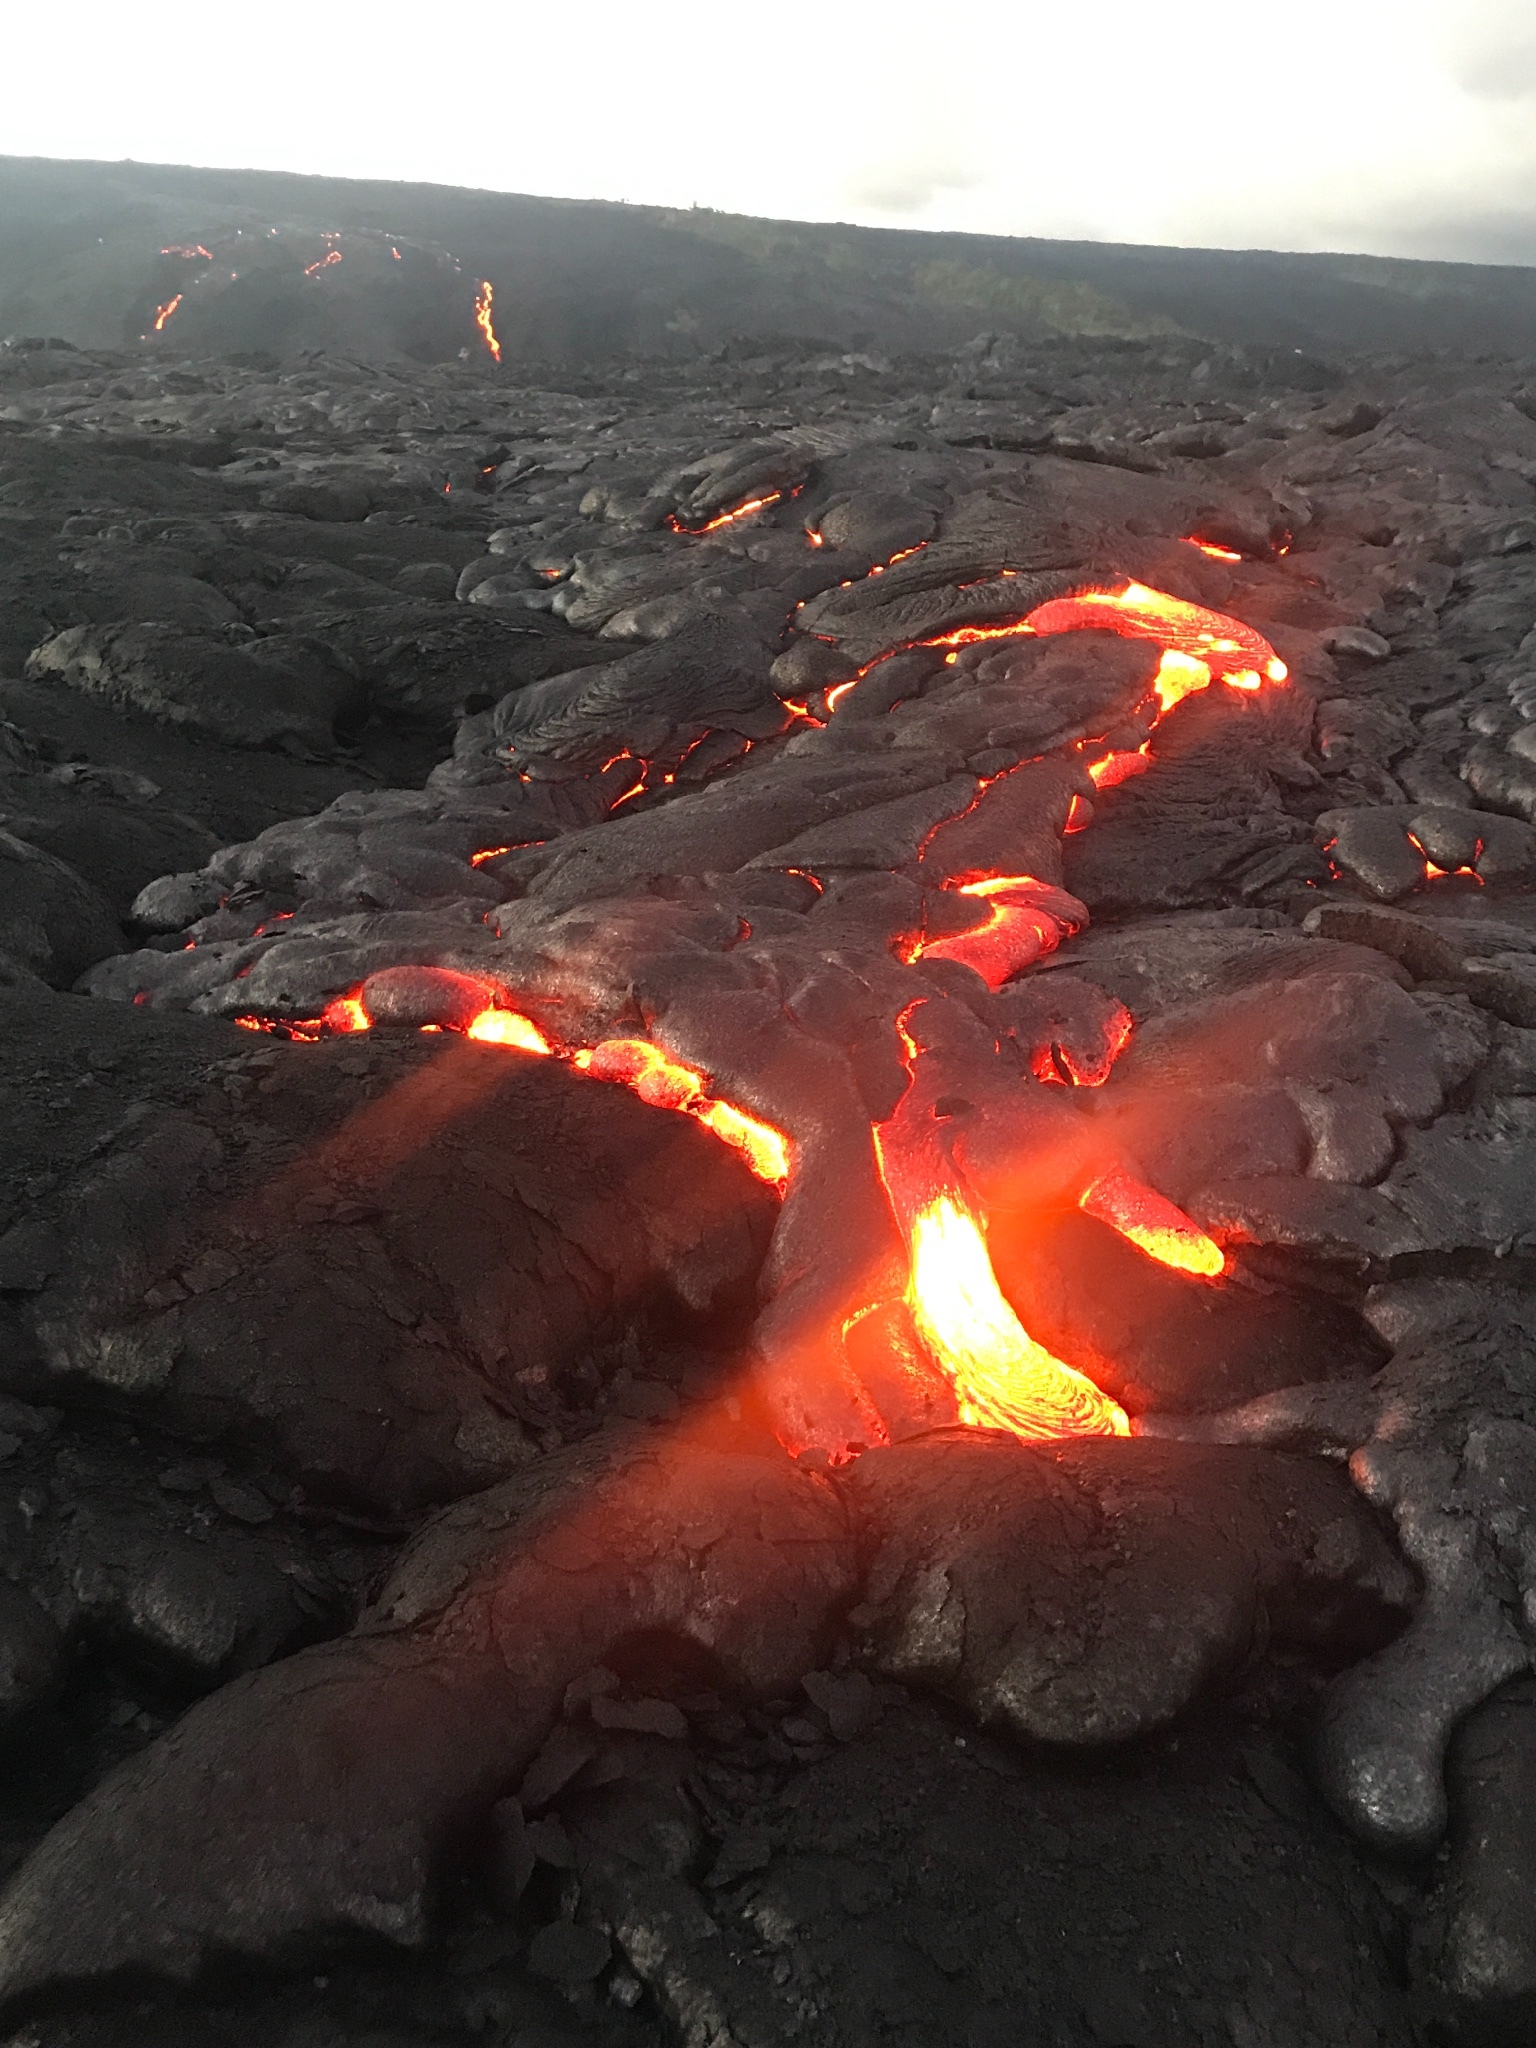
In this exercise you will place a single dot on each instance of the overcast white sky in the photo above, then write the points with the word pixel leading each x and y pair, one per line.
pixel 1401 127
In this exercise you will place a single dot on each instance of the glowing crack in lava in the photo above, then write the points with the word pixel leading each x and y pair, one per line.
pixel 726 518
pixel 1434 873
pixel 1002 1378
pixel 332 256
pixel 165 313
pixel 1151 1222
pixel 485 299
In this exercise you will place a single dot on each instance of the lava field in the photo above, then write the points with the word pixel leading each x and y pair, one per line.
pixel 768 1204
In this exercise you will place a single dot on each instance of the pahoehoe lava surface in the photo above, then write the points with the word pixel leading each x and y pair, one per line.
pixel 524 893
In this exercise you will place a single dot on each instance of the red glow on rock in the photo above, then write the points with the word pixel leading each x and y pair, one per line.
pixel 326 262
pixel 1067 1066
pixel 165 313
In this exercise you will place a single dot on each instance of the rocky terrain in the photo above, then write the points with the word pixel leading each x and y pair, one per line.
pixel 492 1558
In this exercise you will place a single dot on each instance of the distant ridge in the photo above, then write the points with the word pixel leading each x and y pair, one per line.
pixel 81 257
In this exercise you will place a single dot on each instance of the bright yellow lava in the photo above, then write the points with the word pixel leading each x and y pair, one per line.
pixel 1002 1377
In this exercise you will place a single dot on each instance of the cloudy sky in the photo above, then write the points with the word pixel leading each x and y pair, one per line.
pixel 1400 127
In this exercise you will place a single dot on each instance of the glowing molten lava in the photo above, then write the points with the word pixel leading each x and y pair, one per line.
pixel 666 1083
pixel 164 313
pixel 1002 1378
pixel 1209 547
pixel 332 256
pixel 1199 646
pixel 1114 768
pixel 507 1027
pixel 1152 1223
pixel 485 299
pixel 1027 919
pixel 346 1014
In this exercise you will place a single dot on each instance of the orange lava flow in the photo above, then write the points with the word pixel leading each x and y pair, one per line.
pixel 1225 647
pixel 331 256
pixel 346 1014
pixel 1199 646
pixel 726 518
pixel 495 1026
pixel 182 249
pixel 1002 1378
pixel 658 1079
pixel 1209 547
pixel 1153 1224
pixel 1115 768
pixel 1021 929
pixel 667 1083
pixel 163 313
pixel 485 299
